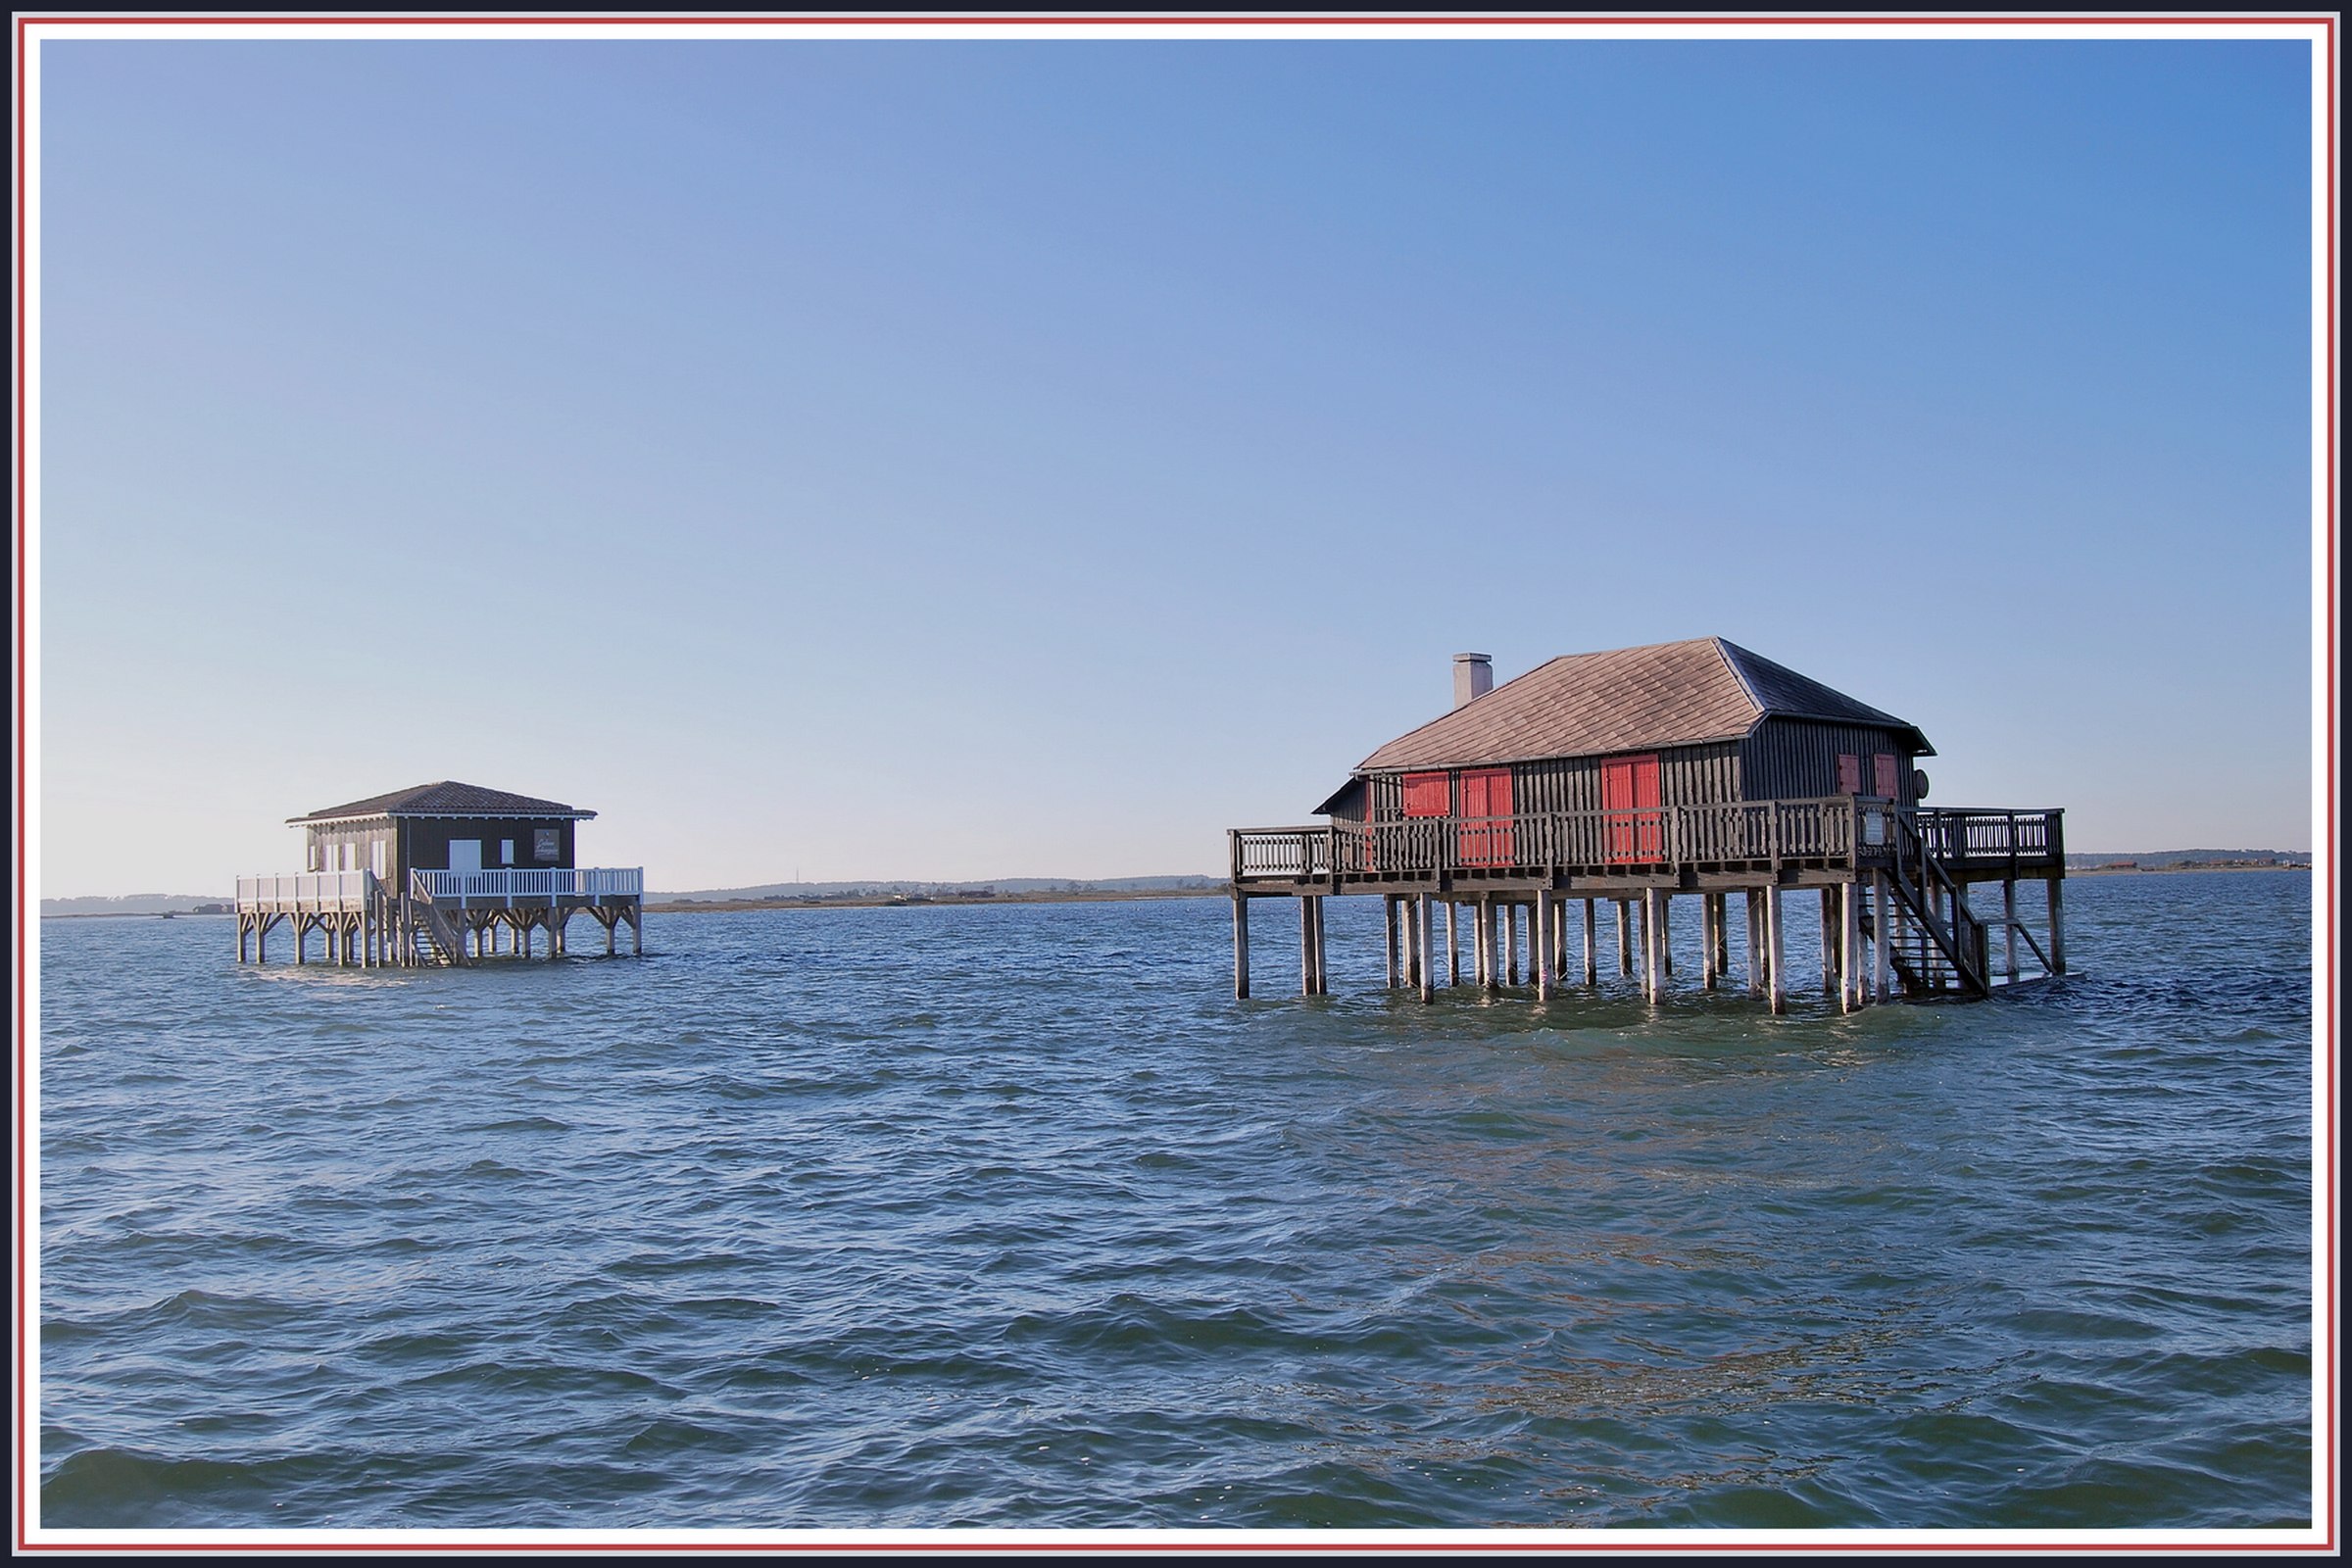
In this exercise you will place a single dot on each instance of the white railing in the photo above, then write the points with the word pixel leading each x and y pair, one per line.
pixel 505 886
pixel 308 889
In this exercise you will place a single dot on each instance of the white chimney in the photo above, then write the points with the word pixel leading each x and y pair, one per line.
pixel 1473 676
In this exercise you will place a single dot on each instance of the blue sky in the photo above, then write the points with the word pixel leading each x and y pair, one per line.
pixel 967 460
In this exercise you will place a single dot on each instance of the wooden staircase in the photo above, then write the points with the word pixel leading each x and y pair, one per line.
pixel 437 941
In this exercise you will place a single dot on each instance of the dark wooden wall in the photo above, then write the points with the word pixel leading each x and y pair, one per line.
pixel 1794 758
pixel 1781 759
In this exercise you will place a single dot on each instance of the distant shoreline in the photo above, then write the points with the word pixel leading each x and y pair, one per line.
pixel 882 900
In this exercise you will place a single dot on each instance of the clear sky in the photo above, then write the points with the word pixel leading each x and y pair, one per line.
pixel 967 460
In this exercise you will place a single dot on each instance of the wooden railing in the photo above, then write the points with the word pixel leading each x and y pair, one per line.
pixel 1840 829
pixel 505 886
pixel 309 892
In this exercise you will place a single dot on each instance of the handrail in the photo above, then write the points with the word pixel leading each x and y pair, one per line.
pixel 1768 833
pixel 308 889
pixel 548 882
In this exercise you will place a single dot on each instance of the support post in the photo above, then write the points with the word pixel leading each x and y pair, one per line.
pixel 2009 920
pixel 1665 936
pixel 1454 947
pixel 1425 934
pixel 1484 918
pixel 1849 948
pixel 1882 938
pixel 2057 926
pixel 1511 942
pixel 1706 941
pixel 1241 946
pixel 1776 950
pixel 1625 937
pixel 1306 944
pixel 1657 944
pixel 1828 942
pixel 1388 932
pixel 1541 941
pixel 1755 943
pixel 1591 969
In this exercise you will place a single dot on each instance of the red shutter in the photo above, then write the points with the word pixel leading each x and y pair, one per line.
pixel 1849 774
pixel 1629 785
pixel 1888 781
pixel 1428 794
pixel 1486 793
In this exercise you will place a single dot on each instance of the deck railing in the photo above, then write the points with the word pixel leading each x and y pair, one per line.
pixel 505 886
pixel 309 891
pixel 1838 828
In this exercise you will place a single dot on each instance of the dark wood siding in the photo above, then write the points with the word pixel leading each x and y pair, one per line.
pixel 426 841
pixel 1795 758
pixel 1688 775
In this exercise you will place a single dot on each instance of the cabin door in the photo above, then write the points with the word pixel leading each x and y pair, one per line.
pixel 1486 838
pixel 465 855
pixel 1629 793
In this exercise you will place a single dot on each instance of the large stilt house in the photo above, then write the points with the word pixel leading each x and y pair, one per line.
pixel 1629 777
pixel 434 875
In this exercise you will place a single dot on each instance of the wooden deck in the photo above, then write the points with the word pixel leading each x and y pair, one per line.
pixel 1894 885
pixel 1690 846
pixel 441 918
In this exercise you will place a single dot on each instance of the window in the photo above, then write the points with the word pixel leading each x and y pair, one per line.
pixel 1849 774
pixel 506 852
pixel 1887 778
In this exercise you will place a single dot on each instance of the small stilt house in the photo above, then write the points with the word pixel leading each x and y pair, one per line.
pixel 444 826
pixel 437 874
pixel 1633 775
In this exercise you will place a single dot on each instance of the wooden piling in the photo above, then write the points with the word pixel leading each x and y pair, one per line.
pixel 1591 971
pixel 1511 942
pixel 1388 933
pixel 2057 927
pixel 1539 943
pixel 1706 941
pixel 1241 947
pixel 1625 937
pixel 1454 947
pixel 1882 938
pixel 1776 951
pixel 1755 942
pixel 1425 927
pixel 2009 922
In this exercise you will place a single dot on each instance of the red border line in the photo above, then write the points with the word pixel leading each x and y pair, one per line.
pixel 2325 22
pixel 1070 19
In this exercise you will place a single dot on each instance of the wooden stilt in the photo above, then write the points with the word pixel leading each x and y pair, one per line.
pixel 1592 968
pixel 637 930
pixel 1485 921
pixel 1776 951
pixel 2009 922
pixel 1706 942
pixel 1850 949
pixel 1241 947
pixel 1882 938
pixel 1625 937
pixel 1426 946
pixel 2057 926
pixel 1542 946
pixel 1511 942
pixel 1388 927
pixel 1828 942
pixel 1666 934
pixel 1306 946
pixel 1454 947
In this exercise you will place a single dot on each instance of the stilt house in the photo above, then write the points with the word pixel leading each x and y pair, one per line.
pixel 434 875
pixel 1631 775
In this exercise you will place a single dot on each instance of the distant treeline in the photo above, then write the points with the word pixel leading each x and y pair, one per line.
pixel 2165 859
pixel 885 890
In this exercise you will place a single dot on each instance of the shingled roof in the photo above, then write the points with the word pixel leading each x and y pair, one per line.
pixel 1625 700
pixel 446 798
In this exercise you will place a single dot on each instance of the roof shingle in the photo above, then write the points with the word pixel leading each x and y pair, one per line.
pixel 446 798
pixel 1624 699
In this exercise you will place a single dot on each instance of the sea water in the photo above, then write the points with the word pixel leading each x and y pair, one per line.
pixel 1014 1216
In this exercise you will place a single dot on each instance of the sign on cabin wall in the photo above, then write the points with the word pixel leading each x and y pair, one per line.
pixel 547 843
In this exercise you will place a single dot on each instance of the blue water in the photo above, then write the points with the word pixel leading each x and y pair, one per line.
pixel 1012 1217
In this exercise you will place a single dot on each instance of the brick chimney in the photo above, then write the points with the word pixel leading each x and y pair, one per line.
pixel 1473 676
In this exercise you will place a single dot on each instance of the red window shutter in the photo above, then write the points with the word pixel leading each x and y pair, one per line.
pixel 1631 784
pixel 1428 794
pixel 1887 780
pixel 1486 793
pixel 1849 774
